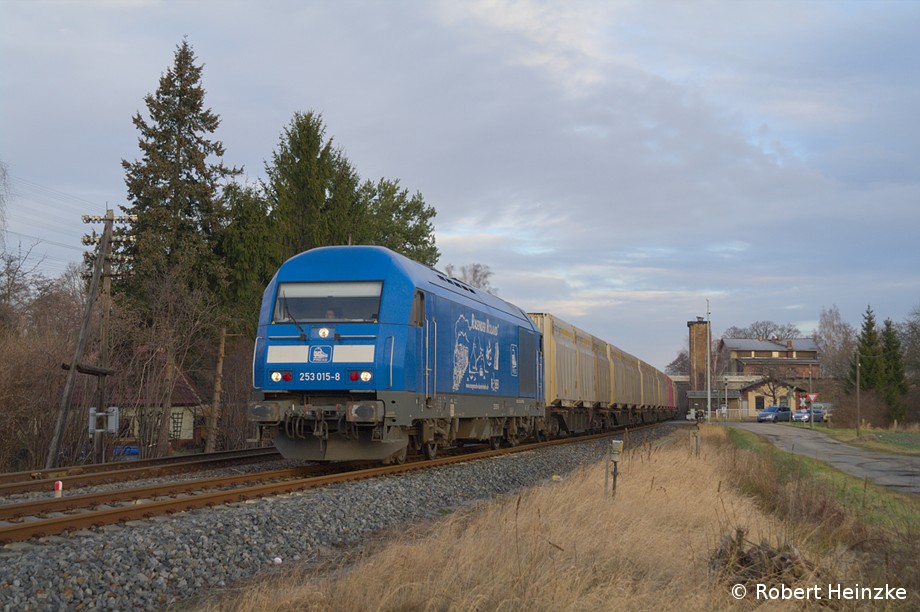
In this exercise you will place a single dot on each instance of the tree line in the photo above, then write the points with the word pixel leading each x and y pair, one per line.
pixel 204 245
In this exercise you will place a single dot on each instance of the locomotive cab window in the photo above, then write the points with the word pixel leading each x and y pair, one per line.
pixel 321 302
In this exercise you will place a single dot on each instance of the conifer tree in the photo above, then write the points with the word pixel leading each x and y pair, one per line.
pixel 869 354
pixel 242 250
pixel 174 189
pixel 895 384
pixel 315 199
pixel 311 189
pixel 398 221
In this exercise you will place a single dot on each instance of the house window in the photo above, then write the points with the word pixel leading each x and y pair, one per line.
pixel 175 430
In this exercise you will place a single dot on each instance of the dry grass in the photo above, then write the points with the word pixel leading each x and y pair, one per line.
pixel 560 546
pixel 871 533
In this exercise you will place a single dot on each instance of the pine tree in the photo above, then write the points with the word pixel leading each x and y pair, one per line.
pixel 869 356
pixel 175 188
pixel 315 200
pixel 175 191
pixel 398 221
pixel 308 182
pixel 249 264
pixel 895 384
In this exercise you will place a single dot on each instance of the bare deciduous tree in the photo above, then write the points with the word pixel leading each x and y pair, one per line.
pixel 836 340
pixel 910 342
pixel 764 330
pixel 34 343
pixel 474 274
pixel 4 194
pixel 17 274
pixel 680 364
pixel 157 340
pixel 234 429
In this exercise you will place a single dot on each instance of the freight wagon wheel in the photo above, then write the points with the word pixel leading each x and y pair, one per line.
pixel 495 442
pixel 430 450
pixel 400 457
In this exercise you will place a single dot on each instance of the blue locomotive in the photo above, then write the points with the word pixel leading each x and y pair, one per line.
pixel 362 353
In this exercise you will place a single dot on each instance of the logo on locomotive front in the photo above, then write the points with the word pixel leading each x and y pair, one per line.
pixel 320 354
pixel 476 354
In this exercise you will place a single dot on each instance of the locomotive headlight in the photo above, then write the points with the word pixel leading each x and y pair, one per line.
pixel 323 332
pixel 365 376
pixel 276 376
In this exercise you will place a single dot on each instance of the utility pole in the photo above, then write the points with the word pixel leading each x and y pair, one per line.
pixel 64 406
pixel 708 366
pixel 858 366
pixel 100 265
pixel 211 443
pixel 215 403
pixel 106 305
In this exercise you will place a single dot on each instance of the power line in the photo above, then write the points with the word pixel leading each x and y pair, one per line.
pixel 50 192
pixel 44 240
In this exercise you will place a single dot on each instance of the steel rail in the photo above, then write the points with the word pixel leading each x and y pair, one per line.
pixel 89 500
pixel 73 470
pixel 49 526
pixel 45 479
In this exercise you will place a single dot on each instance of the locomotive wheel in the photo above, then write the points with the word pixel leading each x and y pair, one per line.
pixel 430 450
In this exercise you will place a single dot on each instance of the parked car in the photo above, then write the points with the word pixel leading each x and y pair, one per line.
pixel 818 410
pixel 801 415
pixel 824 409
pixel 774 414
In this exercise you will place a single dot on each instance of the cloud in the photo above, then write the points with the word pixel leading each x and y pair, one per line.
pixel 617 162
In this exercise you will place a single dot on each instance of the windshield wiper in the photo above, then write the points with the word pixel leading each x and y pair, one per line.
pixel 287 312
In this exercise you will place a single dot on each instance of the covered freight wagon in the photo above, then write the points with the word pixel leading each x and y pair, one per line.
pixel 592 384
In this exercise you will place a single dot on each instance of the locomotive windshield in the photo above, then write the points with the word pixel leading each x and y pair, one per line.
pixel 310 302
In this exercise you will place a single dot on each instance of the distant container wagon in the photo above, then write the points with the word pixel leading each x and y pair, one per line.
pixel 590 384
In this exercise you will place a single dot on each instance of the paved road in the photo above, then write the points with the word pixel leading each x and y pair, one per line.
pixel 899 472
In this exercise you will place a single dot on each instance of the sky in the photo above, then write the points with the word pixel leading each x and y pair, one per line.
pixel 624 165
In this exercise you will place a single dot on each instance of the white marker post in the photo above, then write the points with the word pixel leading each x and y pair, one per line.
pixel 616 447
pixel 58 488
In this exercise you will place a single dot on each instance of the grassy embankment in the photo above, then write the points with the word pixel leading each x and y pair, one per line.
pixel 567 546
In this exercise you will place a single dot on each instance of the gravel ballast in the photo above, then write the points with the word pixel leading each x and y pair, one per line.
pixel 147 565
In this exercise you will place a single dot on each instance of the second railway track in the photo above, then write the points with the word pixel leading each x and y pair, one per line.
pixel 35 518
pixel 106 473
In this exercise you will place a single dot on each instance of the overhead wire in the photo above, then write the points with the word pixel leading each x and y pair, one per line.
pixel 48 210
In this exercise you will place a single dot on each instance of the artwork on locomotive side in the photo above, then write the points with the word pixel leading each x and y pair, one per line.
pixel 477 354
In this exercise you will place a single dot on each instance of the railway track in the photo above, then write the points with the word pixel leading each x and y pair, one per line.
pixel 23 521
pixel 106 473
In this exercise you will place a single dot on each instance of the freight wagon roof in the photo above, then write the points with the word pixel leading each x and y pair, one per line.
pixel 583 333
